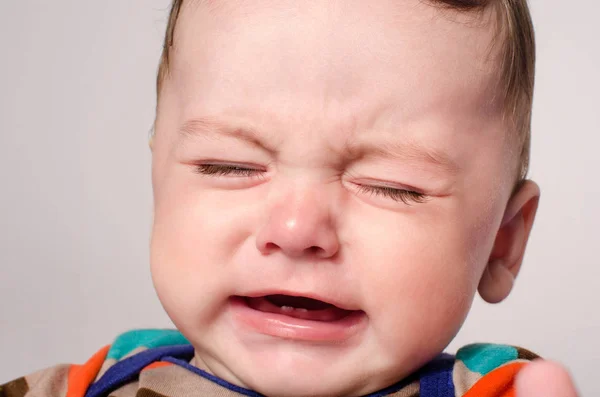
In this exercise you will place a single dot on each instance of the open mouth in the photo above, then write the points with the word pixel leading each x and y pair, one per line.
pixel 297 318
pixel 298 307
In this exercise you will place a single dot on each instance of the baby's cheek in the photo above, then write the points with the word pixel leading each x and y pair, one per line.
pixel 196 232
pixel 422 285
pixel 421 322
pixel 194 222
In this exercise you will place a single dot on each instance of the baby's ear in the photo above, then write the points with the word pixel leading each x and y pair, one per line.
pixel 507 255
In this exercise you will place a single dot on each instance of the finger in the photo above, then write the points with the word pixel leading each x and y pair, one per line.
pixel 544 379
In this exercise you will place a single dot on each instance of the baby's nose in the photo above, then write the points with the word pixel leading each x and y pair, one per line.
pixel 299 225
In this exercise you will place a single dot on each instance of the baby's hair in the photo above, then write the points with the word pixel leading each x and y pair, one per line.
pixel 517 63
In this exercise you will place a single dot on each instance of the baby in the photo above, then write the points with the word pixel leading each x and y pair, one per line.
pixel 333 182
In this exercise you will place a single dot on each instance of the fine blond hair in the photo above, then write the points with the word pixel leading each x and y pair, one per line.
pixel 517 60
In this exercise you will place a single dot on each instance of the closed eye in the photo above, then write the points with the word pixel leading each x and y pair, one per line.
pixel 400 195
pixel 227 170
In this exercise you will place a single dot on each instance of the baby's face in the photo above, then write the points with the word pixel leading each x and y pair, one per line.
pixel 349 152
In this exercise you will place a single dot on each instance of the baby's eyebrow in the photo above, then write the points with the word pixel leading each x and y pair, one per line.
pixel 410 151
pixel 210 126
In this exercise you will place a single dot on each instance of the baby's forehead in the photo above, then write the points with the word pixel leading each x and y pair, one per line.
pixel 411 19
pixel 410 45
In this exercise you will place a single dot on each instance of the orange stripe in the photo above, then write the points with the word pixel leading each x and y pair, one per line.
pixel 158 364
pixel 498 383
pixel 81 376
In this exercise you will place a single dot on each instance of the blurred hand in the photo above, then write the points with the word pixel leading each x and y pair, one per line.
pixel 544 379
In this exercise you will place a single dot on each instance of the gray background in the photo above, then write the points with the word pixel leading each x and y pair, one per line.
pixel 76 103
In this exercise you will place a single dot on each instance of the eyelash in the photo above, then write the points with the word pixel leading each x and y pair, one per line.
pixel 224 170
pixel 400 195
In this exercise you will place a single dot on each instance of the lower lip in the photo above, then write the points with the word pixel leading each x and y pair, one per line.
pixel 286 327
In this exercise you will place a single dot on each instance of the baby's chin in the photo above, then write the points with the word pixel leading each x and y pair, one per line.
pixel 291 381
pixel 315 386
pixel 302 371
pixel 321 381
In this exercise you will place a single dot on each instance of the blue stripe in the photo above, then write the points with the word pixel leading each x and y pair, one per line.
pixel 212 378
pixel 436 378
pixel 129 369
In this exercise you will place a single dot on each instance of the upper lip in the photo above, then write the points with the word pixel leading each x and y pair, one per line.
pixel 340 303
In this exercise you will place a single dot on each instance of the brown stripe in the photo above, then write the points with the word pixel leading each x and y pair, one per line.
pixel 143 392
pixel 525 354
pixel 15 388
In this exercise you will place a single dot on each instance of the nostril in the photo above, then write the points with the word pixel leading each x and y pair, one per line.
pixel 314 249
pixel 270 247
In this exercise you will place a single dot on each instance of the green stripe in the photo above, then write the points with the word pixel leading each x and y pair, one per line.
pixel 484 358
pixel 144 338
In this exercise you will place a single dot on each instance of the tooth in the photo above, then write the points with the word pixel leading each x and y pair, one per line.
pixel 287 309
pixel 302 310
